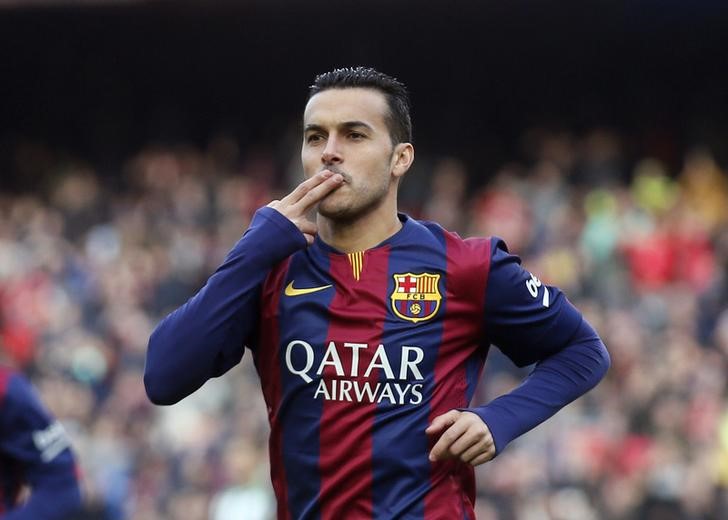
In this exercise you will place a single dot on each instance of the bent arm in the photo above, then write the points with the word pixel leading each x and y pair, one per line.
pixel 54 499
pixel 206 336
pixel 531 322
pixel 555 382
pixel 30 437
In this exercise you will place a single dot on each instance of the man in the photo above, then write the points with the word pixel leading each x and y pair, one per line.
pixel 34 454
pixel 369 329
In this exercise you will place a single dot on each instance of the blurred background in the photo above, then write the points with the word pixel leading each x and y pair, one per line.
pixel 138 137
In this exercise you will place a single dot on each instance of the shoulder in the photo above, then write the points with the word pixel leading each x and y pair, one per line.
pixel 465 253
pixel 12 384
pixel 15 389
pixel 460 248
pixel 467 261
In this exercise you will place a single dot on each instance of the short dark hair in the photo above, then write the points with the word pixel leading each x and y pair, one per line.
pixel 398 120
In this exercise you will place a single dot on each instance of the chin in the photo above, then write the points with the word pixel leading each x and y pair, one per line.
pixel 335 211
pixel 333 204
pixel 340 206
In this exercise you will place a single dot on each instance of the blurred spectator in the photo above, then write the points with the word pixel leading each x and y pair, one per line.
pixel 86 266
pixel 446 201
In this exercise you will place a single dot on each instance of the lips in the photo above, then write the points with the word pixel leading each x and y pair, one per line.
pixel 334 170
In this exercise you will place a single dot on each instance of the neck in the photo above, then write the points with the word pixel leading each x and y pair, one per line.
pixel 361 233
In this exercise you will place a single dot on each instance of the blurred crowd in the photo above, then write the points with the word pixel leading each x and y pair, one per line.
pixel 90 261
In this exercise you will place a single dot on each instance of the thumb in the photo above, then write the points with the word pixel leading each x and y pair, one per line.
pixel 442 422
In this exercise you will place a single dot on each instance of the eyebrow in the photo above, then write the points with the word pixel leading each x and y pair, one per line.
pixel 345 125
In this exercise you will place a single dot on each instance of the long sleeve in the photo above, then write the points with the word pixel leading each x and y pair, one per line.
pixel 206 336
pixel 555 382
pixel 55 500
pixel 37 446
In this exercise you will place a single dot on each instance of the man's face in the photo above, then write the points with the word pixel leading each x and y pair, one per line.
pixel 344 130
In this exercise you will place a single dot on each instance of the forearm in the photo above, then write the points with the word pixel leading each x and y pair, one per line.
pixel 206 336
pixel 51 501
pixel 554 383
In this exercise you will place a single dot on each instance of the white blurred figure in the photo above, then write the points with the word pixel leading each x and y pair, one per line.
pixel 247 494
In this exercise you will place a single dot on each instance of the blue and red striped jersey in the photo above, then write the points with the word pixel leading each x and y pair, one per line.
pixel 357 353
pixel 34 452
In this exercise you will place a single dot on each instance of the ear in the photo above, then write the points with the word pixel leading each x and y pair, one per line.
pixel 402 158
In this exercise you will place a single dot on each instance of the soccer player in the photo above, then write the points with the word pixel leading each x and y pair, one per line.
pixel 34 454
pixel 369 329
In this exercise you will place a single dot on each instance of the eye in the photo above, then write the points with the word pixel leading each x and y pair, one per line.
pixel 314 138
pixel 356 136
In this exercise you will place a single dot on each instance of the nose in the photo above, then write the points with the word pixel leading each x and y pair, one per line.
pixel 331 154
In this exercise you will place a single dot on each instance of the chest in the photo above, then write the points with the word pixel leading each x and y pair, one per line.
pixel 378 314
pixel 370 327
pixel 364 297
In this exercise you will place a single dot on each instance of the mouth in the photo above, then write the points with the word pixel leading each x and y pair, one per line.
pixel 334 169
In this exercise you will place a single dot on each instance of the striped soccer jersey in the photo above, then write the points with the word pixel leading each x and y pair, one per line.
pixel 387 339
pixel 357 354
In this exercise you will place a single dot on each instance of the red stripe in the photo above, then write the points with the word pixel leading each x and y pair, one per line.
pixel 346 427
pixel 468 263
pixel 5 374
pixel 268 363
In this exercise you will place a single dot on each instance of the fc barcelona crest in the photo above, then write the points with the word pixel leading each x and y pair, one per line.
pixel 416 297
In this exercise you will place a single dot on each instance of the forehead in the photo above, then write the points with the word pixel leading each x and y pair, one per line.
pixel 338 105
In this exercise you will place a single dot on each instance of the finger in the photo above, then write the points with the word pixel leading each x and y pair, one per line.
pixel 306 226
pixel 318 192
pixel 466 441
pixel 479 448
pixel 441 449
pixel 476 433
pixel 441 422
pixel 483 457
pixel 302 189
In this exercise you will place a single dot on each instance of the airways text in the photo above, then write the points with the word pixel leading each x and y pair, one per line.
pixel 374 381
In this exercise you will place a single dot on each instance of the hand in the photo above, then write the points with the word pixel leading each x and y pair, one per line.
pixel 464 436
pixel 296 204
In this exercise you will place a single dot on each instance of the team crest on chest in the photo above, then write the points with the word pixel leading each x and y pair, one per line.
pixel 416 297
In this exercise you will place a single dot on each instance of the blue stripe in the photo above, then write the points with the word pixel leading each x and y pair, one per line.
pixel 401 469
pixel 473 369
pixel 300 412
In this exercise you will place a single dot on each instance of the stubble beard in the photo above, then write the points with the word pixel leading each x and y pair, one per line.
pixel 355 203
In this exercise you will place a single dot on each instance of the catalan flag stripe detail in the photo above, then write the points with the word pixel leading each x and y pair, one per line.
pixel 425 284
pixel 357 263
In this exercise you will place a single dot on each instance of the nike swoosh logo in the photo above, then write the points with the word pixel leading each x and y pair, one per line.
pixel 292 291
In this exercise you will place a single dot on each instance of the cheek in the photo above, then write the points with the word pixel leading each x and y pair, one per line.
pixel 309 162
